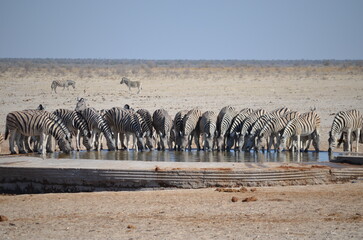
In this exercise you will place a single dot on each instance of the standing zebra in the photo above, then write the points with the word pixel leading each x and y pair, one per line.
pixel 147 127
pixel 162 123
pixel 224 122
pixel 306 125
pixel 123 121
pixel 208 126
pixel 62 83
pixel 77 125
pixel 236 126
pixel 191 129
pixel 350 121
pixel 96 124
pixel 29 123
pixel 131 84
pixel 178 128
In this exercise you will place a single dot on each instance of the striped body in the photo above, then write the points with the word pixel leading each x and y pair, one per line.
pixel 247 126
pixel 273 130
pixel 147 127
pixel 347 122
pixel 162 124
pixel 191 129
pixel 131 84
pixel 236 126
pixel 97 125
pixel 178 128
pixel 62 83
pixel 224 122
pixel 125 122
pixel 260 123
pixel 207 128
pixel 306 125
pixel 76 124
pixel 32 123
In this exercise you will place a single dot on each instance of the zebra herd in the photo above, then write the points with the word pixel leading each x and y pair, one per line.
pixel 244 130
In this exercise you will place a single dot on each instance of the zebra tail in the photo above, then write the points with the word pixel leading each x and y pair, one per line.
pixel 6 132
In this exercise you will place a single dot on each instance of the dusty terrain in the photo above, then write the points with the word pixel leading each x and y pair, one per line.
pixel 174 86
pixel 295 212
pixel 298 212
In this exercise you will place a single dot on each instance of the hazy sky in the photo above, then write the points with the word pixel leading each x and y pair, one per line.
pixel 182 29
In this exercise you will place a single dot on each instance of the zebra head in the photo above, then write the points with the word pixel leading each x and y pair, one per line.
pixel 259 143
pixel 124 80
pixel 64 145
pixel 282 144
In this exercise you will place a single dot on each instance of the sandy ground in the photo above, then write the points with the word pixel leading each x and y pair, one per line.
pixel 299 212
pixel 295 212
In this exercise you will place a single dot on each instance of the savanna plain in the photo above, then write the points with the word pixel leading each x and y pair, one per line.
pixel 290 212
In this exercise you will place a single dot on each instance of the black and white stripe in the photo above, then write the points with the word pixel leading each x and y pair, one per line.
pixel 77 125
pixel 147 127
pixel 236 126
pixel 224 122
pixel 162 124
pixel 346 123
pixel 178 128
pixel 32 123
pixel 191 129
pixel 96 124
pixel 306 125
pixel 208 126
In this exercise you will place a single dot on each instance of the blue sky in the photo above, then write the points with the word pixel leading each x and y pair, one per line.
pixel 188 29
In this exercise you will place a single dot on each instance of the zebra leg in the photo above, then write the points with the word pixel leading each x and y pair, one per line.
pixel 349 135
pixel 12 141
pixel 19 139
pixel 43 139
pixel 298 143
pixel 358 137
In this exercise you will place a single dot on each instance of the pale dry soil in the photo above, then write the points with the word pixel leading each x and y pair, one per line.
pixel 294 212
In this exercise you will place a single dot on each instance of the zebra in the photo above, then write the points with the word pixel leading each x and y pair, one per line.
pixel 273 129
pixel 162 123
pixel 247 126
pixel 126 122
pixel 147 127
pixel 191 129
pixel 131 84
pixel 348 122
pixel 208 126
pixel 224 122
pixel 306 125
pixel 29 123
pixel 178 128
pixel 236 126
pixel 81 104
pixel 96 124
pixel 62 83
pixel 77 125
pixel 260 123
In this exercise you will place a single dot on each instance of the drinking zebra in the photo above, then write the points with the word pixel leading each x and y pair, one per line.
pixel 347 122
pixel 62 83
pixel 77 125
pixel 260 123
pixel 191 129
pixel 306 125
pixel 131 84
pixel 128 123
pixel 207 128
pixel 162 123
pixel 273 130
pixel 236 127
pixel 178 128
pixel 147 127
pixel 224 122
pixel 97 125
pixel 29 123
pixel 247 126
